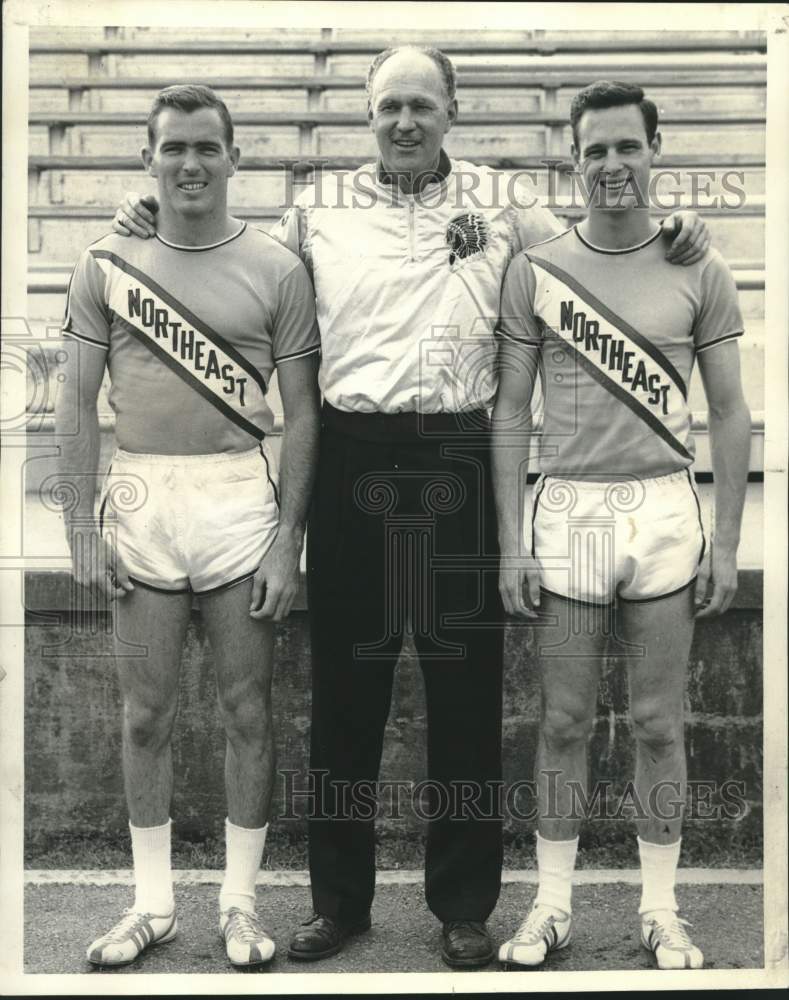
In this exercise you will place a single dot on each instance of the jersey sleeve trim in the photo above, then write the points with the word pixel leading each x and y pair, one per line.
pixel 542 243
pixel 87 340
pixel 720 340
pixel 315 349
pixel 523 341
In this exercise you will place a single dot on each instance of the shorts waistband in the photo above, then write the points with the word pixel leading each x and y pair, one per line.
pixel 410 426
pixel 221 456
pixel 683 475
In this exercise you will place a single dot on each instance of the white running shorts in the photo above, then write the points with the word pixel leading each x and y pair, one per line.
pixel 191 522
pixel 634 540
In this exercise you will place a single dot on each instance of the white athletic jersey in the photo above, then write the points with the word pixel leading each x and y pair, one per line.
pixel 618 331
pixel 192 335
pixel 408 286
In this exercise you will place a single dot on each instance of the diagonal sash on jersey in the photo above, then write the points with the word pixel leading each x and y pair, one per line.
pixel 188 346
pixel 617 356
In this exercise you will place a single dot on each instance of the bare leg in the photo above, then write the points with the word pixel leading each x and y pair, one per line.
pixel 243 653
pixel 149 686
pixel 570 659
pixel 664 628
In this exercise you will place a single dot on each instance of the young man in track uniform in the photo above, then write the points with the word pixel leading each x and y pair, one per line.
pixel 190 327
pixel 407 256
pixel 612 331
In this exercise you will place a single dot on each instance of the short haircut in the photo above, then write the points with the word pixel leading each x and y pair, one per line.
pixel 189 97
pixel 613 94
pixel 444 64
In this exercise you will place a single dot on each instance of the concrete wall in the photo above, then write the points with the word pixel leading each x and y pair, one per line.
pixel 72 742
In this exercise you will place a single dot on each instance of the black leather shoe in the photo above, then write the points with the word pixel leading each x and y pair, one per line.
pixel 466 944
pixel 320 936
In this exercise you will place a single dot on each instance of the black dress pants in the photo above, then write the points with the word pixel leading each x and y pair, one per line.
pixel 402 536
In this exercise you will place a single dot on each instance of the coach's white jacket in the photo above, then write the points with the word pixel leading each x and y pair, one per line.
pixel 408 286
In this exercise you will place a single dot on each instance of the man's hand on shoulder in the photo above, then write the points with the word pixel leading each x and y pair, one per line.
pixel 718 577
pixel 97 566
pixel 136 215
pixel 276 582
pixel 691 238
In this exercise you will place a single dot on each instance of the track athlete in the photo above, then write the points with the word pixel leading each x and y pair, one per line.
pixel 407 256
pixel 612 332
pixel 190 327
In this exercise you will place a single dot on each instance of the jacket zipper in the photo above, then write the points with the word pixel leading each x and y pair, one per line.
pixel 412 230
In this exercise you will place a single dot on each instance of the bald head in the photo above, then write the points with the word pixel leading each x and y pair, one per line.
pixel 442 63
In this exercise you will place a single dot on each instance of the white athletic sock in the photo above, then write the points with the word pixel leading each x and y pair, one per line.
pixel 153 878
pixel 555 864
pixel 243 852
pixel 658 875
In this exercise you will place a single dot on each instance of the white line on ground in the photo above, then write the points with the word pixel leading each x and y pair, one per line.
pixel 599 876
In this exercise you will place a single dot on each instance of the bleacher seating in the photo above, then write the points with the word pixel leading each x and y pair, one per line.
pixel 298 96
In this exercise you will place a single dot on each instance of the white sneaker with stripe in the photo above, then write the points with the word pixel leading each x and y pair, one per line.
pixel 133 933
pixel 247 942
pixel 543 931
pixel 664 934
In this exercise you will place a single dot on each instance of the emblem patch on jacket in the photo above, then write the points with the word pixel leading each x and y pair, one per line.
pixel 467 236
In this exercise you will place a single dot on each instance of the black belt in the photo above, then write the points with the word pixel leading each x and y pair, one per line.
pixel 429 428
